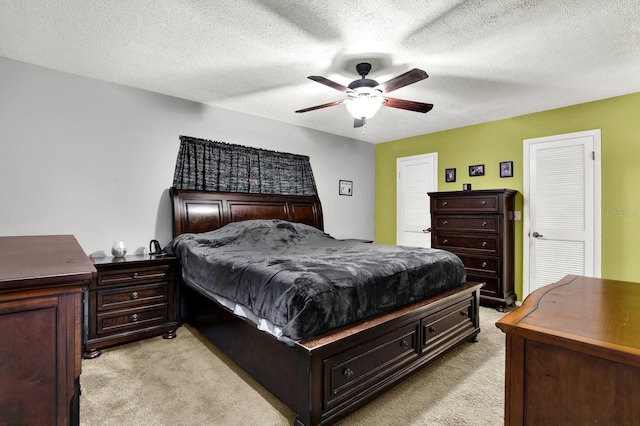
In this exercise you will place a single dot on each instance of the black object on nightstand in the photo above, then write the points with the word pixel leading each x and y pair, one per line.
pixel 132 298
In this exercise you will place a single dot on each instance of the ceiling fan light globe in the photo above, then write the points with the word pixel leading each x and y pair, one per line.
pixel 364 105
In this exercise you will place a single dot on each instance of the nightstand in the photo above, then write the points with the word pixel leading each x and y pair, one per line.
pixel 132 298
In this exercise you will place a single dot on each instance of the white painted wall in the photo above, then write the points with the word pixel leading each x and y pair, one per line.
pixel 95 159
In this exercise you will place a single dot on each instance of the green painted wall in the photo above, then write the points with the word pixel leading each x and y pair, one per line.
pixel 493 142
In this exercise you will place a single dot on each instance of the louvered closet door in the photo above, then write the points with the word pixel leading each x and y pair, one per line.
pixel 561 222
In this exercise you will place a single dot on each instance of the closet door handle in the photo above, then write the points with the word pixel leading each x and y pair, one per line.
pixel 536 235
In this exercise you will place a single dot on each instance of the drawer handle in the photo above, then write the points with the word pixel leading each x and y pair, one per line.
pixel 433 330
pixel 444 203
pixel 445 241
pixel 484 244
pixel 348 373
pixel 484 223
pixel 484 264
pixel 483 202
pixel 464 313
pixel 445 222
pixel 134 317
pixel 404 344
pixel 134 295
pixel 135 275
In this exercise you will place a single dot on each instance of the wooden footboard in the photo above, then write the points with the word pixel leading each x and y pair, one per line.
pixel 326 377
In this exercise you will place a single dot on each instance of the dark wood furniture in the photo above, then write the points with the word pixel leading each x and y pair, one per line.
pixel 132 298
pixel 573 354
pixel 322 378
pixel 41 283
pixel 478 226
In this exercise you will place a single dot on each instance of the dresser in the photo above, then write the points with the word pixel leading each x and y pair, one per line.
pixel 478 226
pixel 132 298
pixel 573 354
pixel 41 283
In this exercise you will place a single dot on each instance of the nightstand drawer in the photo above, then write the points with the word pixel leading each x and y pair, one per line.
pixel 122 298
pixel 112 322
pixel 466 223
pixel 133 275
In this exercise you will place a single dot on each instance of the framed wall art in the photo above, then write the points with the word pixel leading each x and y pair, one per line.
pixel 345 187
pixel 506 169
pixel 477 170
pixel 449 175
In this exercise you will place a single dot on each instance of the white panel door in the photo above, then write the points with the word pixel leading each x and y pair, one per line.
pixel 417 176
pixel 561 208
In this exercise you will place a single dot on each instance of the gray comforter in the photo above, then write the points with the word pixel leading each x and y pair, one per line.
pixel 306 281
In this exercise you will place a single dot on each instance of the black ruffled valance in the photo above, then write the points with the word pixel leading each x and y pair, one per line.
pixel 217 166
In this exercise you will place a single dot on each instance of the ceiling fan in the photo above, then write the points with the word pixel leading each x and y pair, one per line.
pixel 365 96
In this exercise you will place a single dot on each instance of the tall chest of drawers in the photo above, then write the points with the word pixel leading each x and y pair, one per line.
pixel 132 298
pixel 478 226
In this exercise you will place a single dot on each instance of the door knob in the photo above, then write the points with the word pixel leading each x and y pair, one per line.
pixel 536 235
pixel 426 231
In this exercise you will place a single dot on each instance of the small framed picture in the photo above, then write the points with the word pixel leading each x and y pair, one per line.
pixel 506 169
pixel 449 175
pixel 345 187
pixel 477 170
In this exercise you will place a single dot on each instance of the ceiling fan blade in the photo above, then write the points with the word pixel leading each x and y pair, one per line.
pixel 330 83
pixel 358 122
pixel 408 105
pixel 313 108
pixel 402 80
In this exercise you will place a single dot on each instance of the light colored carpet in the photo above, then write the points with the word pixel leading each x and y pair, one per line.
pixel 188 381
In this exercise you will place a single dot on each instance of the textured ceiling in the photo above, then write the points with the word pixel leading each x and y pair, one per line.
pixel 486 59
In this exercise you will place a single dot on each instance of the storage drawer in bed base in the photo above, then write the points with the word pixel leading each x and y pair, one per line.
pixel 342 370
pixel 354 371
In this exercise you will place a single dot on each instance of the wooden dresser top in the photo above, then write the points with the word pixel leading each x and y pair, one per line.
pixel 42 261
pixel 597 316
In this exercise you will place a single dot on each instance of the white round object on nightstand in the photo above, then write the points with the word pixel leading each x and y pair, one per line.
pixel 118 249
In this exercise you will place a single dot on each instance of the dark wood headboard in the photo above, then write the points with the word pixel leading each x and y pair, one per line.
pixel 202 211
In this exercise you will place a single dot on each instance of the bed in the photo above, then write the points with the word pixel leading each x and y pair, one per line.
pixel 322 373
